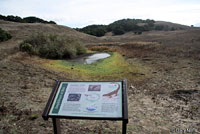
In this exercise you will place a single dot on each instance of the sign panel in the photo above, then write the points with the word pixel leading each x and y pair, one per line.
pixel 88 99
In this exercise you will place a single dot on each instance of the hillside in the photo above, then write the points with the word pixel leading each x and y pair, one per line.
pixel 158 36
pixel 137 26
pixel 161 68
pixel 21 31
pixel 172 25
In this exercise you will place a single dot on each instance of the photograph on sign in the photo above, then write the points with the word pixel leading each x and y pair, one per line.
pixel 88 99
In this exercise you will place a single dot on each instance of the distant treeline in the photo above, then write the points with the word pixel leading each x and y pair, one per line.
pixel 119 27
pixel 122 26
pixel 30 19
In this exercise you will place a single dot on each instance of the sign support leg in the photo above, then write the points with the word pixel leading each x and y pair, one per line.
pixel 56 126
pixel 124 123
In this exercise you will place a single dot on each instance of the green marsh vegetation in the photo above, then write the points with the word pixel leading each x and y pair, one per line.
pixel 114 67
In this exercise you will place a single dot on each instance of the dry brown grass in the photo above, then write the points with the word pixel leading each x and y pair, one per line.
pixel 102 49
pixel 21 31
pixel 166 99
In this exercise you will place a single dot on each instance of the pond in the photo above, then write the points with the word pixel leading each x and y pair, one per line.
pixel 91 59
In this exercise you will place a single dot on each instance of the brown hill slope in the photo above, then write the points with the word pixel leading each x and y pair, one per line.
pixel 21 31
pixel 170 25
pixel 157 36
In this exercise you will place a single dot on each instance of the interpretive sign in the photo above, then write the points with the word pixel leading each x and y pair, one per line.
pixel 105 100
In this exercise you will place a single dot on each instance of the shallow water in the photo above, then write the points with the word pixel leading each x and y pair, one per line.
pixel 91 59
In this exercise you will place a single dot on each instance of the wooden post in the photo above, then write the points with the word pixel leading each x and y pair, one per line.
pixel 56 126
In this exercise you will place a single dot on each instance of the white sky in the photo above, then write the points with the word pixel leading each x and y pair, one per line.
pixel 80 13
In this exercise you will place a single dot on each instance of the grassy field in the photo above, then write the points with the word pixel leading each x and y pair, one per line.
pixel 162 70
pixel 112 68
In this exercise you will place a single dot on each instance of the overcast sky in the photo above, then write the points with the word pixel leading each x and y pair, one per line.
pixel 79 13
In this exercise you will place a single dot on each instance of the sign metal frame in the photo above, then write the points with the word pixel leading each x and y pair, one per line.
pixel 55 118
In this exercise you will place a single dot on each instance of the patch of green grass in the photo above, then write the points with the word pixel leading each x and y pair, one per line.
pixel 13 131
pixel 33 116
pixel 111 68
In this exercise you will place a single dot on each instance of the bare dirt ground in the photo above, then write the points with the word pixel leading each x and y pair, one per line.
pixel 166 100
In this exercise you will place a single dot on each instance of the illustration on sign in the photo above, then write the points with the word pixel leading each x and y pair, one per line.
pixel 113 92
pixel 74 97
pixel 88 99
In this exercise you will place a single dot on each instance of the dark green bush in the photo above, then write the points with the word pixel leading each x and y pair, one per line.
pixel 96 30
pixel 26 47
pixel 159 27
pixel 118 31
pixel 53 46
pixel 80 49
pixel 4 36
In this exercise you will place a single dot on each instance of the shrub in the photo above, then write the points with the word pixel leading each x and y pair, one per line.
pixel 96 30
pixel 159 27
pixel 80 49
pixel 52 46
pixel 26 47
pixel 138 32
pixel 118 31
pixel 4 36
